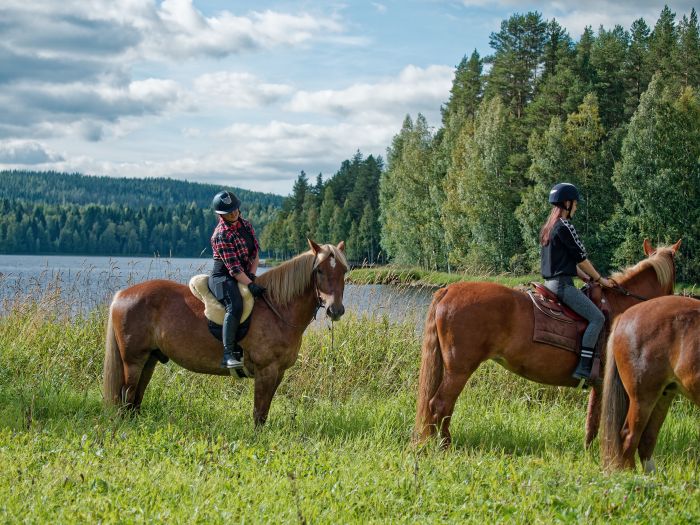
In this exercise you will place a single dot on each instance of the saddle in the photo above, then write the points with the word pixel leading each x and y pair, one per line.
pixel 557 325
pixel 214 311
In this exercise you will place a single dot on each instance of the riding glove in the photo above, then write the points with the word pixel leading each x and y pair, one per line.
pixel 256 290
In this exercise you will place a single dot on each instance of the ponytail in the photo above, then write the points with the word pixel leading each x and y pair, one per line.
pixel 546 230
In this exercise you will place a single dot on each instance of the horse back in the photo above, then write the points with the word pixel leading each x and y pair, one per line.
pixel 148 309
pixel 487 307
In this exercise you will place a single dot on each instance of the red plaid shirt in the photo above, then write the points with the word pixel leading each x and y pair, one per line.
pixel 228 244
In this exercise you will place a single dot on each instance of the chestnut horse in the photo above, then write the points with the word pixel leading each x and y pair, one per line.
pixel 470 322
pixel 653 353
pixel 162 318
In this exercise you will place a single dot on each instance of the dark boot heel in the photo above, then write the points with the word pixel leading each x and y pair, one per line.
pixel 585 364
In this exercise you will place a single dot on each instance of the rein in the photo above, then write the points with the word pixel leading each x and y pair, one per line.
pixel 625 291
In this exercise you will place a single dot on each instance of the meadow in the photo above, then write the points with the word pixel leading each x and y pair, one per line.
pixel 336 448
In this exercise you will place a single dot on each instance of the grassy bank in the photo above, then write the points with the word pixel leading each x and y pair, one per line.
pixel 335 450
pixel 419 277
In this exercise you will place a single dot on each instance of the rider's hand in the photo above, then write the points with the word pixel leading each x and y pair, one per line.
pixel 604 281
pixel 256 290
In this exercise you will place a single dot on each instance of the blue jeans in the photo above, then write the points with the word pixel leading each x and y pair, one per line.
pixel 582 305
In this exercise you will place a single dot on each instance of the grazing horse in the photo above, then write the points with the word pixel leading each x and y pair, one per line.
pixel 159 318
pixel 653 353
pixel 470 322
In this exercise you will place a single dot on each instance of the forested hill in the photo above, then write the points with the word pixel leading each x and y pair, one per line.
pixel 50 212
pixel 74 188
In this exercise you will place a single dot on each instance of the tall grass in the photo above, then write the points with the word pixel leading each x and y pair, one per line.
pixel 336 448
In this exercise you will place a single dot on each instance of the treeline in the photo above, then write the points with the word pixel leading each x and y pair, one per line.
pixel 616 113
pixel 130 216
pixel 75 188
pixel 344 207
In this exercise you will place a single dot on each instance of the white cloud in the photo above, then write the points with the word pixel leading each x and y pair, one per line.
pixel 177 29
pixel 414 89
pixel 238 90
pixel 22 152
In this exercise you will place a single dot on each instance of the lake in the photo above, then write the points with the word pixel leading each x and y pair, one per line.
pixel 85 283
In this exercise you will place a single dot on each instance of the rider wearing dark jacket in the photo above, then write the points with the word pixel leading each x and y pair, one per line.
pixel 564 257
pixel 236 257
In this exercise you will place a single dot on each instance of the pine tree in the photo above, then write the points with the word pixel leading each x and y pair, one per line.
pixel 689 50
pixel 607 55
pixel 663 45
pixel 519 47
pixel 466 90
pixel 636 71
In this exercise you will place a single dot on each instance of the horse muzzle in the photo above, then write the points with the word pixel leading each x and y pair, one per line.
pixel 335 312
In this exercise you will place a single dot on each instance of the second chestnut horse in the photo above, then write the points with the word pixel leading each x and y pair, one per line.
pixel 469 323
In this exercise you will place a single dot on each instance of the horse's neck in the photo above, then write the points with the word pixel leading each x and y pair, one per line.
pixel 302 309
pixel 645 284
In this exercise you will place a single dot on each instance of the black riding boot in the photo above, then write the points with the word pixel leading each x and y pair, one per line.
pixel 585 364
pixel 233 354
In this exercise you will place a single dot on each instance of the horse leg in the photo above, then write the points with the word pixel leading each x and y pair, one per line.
pixel 132 376
pixel 650 434
pixel 266 382
pixel 146 375
pixel 637 417
pixel 442 404
pixel 593 416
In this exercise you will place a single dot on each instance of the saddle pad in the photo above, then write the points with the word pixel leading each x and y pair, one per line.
pixel 552 327
pixel 213 309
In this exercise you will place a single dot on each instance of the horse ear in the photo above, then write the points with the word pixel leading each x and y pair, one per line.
pixel 341 246
pixel 648 248
pixel 314 247
pixel 676 246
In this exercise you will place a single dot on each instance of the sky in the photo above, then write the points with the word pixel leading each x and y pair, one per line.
pixel 244 94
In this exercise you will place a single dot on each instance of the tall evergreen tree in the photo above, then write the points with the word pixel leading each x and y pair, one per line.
pixel 663 45
pixel 689 50
pixel 636 71
pixel 466 90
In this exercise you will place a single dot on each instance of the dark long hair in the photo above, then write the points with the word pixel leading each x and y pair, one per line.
pixel 546 230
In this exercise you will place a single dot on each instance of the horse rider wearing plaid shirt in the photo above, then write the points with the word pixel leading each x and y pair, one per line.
pixel 236 257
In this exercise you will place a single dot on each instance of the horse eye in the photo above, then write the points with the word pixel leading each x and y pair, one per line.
pixel 319 271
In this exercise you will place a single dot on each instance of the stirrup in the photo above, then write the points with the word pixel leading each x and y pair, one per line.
pixel 231 362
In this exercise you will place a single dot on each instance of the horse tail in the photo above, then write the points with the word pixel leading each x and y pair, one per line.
pixel 113 369
pixel 615 404
pixel 430 370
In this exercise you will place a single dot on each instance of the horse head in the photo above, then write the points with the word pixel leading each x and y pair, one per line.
pixel 651 277
pixel 330 266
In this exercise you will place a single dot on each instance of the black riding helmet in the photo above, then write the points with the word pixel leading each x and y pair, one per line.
pixel 225 202
pixel 563 192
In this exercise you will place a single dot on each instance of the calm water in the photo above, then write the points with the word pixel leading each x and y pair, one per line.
pixel 85 283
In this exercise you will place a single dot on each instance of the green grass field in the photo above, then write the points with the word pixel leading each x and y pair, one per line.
pixel 336 448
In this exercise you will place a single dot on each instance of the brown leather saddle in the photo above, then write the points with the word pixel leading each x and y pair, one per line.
pixel 555 323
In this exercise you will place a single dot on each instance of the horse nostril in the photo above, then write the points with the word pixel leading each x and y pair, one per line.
pixel 341 310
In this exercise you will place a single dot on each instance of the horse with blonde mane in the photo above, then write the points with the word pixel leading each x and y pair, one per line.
pixel 161 319
pixel 471 322
pixel 653 354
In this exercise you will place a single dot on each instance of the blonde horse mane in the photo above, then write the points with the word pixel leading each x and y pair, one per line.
pixel 291 278
pixel 661 262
